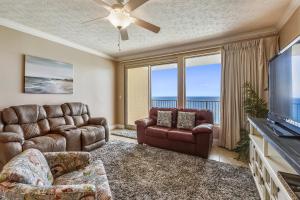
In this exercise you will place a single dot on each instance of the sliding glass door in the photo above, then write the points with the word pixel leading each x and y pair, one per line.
pixel 196 83
pixel 164 90
pixel 203 83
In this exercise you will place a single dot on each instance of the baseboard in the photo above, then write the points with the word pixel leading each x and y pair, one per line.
pixel 116 126
pixel 216 141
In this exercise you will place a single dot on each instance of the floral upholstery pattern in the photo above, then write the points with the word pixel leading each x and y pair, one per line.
pixel 29 167
pixel 186 120
pixel 164 118
pixel 19 191
pixel 74 178
pixel 63 162
pixel 92 174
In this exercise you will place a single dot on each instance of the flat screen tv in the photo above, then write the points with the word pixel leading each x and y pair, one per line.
pixel 284 89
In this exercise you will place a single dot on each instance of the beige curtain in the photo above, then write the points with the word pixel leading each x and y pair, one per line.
pixel 242 62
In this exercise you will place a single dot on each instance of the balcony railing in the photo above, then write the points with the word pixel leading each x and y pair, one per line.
pixel 164 103
pixel 213 106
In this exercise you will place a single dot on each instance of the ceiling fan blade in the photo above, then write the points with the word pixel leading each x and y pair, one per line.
pixel 124 34
pixel 104 4
pixel 133 4
pixel 92 20
pixel 146 25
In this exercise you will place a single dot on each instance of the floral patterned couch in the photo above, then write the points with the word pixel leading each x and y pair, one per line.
pixel 55 175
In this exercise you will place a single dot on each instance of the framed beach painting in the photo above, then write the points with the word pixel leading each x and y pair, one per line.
pixel 45 76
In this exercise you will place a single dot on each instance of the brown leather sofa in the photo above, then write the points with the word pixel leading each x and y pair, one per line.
pixel 50 128
pixel 197 141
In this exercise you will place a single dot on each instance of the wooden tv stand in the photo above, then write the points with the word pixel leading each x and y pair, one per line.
pixel 270 154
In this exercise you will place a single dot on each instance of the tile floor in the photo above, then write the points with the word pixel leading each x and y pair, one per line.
pixel 217 153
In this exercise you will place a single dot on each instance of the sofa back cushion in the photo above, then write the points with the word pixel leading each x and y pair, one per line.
pixel 9 116
pixel 154 113
pixel 76 113
pixel 28 167
pixel 55 116
pixel 202 116
pixel 27 120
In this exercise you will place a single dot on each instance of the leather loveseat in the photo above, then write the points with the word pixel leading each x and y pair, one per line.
pixel 197 141
pixel 49 128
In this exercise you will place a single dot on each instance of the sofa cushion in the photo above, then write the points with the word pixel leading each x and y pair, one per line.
pixel 55 122
pixel 181 135
pixel 76 114
pixel 92 134
pixel 47 143
pixel 29 167
pixel 30 113
pixel 53 111
pixel 44 126
pixel 30 130
pixel 157 131
pixel 15 128
pixel 11 137
pixel 164 118
pixel 9 116
pixel 186 120
pixel 78 121
pixel 29 120
pixel 92 174
pixel 77 109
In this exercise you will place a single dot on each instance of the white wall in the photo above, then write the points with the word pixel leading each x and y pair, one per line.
pixel 290 30
pixel 94 77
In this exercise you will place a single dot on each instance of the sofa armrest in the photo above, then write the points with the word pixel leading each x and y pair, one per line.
pixel 11 137
pixel 24 191
pixel 141 126
pixel 203 128
pixel 145 122
pixel 204 139
pixel 63 162
pixel 98 121
pixel 102 122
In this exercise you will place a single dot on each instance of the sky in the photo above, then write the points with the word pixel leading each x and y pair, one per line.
pixel 200 81
pixel 296 70
pixel 45 68
pixel 295 76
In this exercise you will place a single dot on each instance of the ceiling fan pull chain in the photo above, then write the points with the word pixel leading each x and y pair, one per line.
pixel 119 41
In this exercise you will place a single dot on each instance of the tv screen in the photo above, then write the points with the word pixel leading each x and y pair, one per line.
pixel 284 88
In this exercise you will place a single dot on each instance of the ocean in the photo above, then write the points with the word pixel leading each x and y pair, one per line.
pixel 191 98
pixel 38 85
pixel 296 110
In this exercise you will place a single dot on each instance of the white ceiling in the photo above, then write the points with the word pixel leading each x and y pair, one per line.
pixel 181 21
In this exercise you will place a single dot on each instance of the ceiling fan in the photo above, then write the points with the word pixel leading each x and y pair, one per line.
pixel 120 16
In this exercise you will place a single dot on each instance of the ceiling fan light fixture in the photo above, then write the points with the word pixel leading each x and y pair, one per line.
pixel 120 18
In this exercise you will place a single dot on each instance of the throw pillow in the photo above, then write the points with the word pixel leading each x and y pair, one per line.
pixel 164 118
pixel 186 120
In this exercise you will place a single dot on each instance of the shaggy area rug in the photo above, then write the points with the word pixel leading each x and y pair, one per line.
pixel 142 172
pixel 125 133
